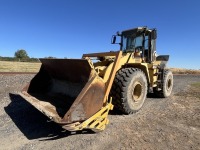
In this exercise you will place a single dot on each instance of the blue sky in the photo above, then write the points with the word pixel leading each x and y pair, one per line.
pixel 69 28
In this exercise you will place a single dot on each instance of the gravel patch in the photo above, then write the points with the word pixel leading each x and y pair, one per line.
pixel 171 123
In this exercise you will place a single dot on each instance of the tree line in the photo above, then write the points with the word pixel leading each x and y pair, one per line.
pixel 22 55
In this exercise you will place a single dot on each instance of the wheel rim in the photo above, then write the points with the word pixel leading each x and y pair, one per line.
pixel 137 92
pixel 169 84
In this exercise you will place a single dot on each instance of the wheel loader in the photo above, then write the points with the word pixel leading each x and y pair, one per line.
pixel 79 93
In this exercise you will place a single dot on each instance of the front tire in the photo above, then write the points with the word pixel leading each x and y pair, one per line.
pixel 129 90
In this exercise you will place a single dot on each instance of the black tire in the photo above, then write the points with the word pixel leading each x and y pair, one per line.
pixel 129 90
pixel 167 86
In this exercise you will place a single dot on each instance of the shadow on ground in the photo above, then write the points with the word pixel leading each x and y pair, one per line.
pixel 32 123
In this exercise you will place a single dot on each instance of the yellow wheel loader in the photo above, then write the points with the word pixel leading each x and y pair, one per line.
pixel 79 93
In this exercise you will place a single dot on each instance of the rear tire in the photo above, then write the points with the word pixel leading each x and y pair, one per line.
pixel 167 86
pixel 129 90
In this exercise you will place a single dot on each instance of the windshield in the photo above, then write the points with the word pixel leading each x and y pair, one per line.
pixel 130 42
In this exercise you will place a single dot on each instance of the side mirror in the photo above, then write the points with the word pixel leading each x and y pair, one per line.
pixel 113 39
pixel 154 34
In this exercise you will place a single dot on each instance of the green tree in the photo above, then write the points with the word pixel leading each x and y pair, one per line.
pixel 50 57
pixel 21 54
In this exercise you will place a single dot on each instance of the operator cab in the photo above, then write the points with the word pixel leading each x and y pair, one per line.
pixel 140 41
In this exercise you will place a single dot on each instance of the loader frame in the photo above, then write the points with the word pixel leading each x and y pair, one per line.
pixel 117 55
pixel 77 93
pixel 99 120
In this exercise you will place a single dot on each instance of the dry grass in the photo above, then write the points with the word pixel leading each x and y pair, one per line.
pixel 197 85
pixel 8 66
pixel 184 71
pixel 195 89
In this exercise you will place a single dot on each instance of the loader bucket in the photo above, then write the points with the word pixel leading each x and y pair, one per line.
pixel 66 90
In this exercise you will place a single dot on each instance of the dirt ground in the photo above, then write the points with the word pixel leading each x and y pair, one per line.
pixel 171 123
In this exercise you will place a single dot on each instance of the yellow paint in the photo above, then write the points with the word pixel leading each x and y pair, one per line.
pixel 96 123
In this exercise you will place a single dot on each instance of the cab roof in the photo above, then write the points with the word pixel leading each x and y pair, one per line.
pixel 137 30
